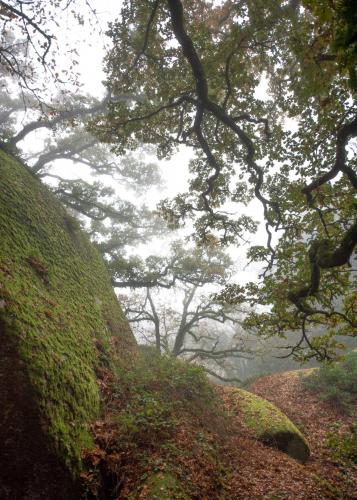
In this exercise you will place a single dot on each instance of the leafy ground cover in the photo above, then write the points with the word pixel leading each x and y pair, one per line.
pixel 330 433
pixel 160 434
pixel 168 433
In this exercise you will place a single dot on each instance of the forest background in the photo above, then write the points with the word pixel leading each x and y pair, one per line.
pixel 272 118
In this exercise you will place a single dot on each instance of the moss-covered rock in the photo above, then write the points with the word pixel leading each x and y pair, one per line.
pixel 60 324
pixel 270 425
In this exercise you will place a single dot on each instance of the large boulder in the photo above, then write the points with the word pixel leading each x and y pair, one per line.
pixel 60 327
pixel 267 423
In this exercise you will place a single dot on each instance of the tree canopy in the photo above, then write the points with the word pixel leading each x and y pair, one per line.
pixel 29 46
pixel 195 69
pixel 191 75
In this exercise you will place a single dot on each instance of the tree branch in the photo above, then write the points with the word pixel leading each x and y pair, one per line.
pixel 60 117
pixel 204 103
pixel 219 377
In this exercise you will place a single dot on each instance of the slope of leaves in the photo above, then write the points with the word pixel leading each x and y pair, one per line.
pixel 317 420
pixel 166 432
pixel 160 426
pixel 264 472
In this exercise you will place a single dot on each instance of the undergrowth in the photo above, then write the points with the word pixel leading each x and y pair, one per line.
pixel 160 418
pixel 343 444
pixel 336 383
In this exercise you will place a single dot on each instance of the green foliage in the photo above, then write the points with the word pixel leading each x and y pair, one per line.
pixel 206 98
pixel 196 265
pixel 336 383
pixel 343 444
pixel 151 399
pixel 338 21
pixel 147 419
pixel 160 414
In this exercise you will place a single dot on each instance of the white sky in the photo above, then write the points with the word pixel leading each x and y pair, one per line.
pixel 91 44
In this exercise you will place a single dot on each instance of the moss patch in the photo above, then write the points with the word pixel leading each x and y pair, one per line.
pixel 163 486
pixel 270 425
pixel 57 308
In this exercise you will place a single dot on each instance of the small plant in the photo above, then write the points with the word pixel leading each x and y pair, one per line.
pixel 343 444
pixel 145 421
pixel 172 381
pixel 336 383
pixel 156 390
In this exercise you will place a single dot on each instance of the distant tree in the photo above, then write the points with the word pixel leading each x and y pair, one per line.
pixel 186 322
pixel 180 263
pixel 198 66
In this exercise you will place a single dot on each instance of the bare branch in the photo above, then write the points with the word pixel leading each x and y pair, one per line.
pixel 223 379
pixel 61 116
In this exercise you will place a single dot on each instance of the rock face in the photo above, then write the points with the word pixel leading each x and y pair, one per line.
pixel 60 326
pixel 269 424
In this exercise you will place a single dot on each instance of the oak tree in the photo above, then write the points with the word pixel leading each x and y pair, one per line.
pixel 29 49
pixel 198 67
pixel 188 322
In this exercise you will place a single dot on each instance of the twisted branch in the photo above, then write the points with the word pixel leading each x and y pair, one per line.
pixel 205 104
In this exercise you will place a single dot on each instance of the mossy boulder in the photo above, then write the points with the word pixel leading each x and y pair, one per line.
pixel 269 424
pixel 60 326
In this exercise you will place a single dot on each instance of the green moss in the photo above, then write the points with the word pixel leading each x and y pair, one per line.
pixel 270 425
pixel 57 307
pixel 163 486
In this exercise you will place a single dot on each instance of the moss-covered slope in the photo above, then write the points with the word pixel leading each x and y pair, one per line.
pixel 59 319
pixel 268 423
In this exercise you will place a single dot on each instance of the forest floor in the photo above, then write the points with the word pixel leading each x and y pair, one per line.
pixel 222 459
pixel 260 472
